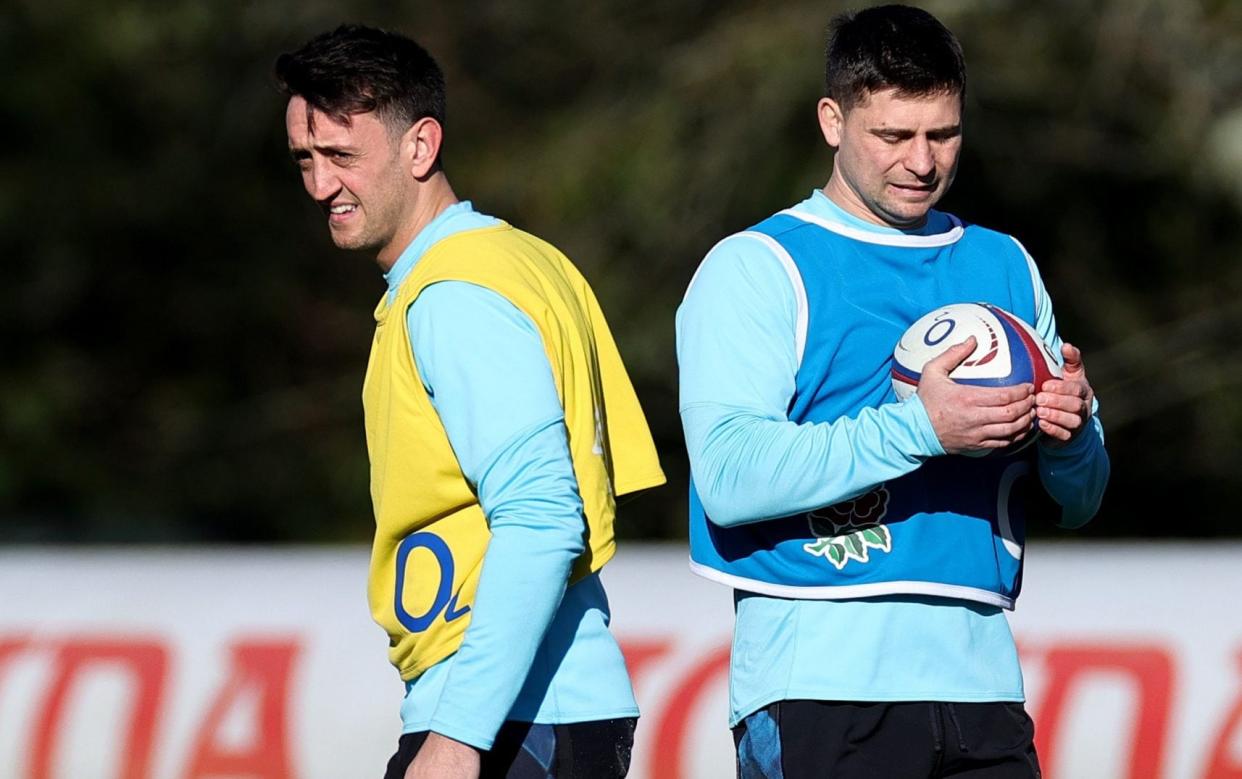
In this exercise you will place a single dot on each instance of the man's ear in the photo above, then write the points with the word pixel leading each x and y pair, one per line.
pixel 831 121
pixel 420 146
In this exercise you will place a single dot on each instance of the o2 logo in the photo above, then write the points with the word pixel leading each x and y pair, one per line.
pixel 935 334
pixel 445 601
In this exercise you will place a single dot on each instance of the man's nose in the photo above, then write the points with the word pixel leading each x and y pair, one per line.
pixel 919 158
pixel 321 182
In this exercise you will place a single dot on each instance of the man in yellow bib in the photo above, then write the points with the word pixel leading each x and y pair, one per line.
pixel 500 424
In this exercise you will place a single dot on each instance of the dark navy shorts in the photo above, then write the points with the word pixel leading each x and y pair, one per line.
pixel 580 750
pixel 916 740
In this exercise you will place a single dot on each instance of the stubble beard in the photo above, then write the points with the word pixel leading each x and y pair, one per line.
pixel 906 213
pixel 379 216
pixel 361 241
pixel 375 231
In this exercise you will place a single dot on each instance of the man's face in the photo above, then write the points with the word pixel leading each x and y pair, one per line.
pixel 896 156
pixel 353 172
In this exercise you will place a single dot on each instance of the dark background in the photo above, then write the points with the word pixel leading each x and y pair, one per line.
pixel 183 348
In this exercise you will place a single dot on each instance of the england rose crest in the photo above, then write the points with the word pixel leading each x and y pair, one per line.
pixel 846 531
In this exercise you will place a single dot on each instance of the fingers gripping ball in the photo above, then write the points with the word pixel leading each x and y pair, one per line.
pixel 1008 351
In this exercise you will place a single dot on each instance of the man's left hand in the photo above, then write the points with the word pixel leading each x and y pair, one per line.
pixel 443 758
pixel 1063 406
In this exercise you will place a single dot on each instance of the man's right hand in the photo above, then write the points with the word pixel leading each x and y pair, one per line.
pixel 972 419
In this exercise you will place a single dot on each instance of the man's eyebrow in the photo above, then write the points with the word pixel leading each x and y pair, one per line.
pixel 322 148
pixel 896 132
pixel 948 131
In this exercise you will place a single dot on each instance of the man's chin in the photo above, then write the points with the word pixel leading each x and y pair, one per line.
pixel 906 213
pixel 352 242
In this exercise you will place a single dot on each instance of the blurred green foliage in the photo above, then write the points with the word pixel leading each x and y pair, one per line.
pixel 183 347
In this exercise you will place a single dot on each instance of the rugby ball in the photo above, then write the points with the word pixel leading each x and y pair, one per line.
pixel 1008 351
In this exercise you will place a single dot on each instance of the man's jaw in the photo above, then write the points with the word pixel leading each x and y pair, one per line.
pixel 907 206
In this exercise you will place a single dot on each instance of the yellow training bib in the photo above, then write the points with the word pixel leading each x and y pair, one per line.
pixel 430 533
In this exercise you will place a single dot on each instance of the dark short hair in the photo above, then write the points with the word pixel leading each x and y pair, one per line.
pixel 891 47
pixel 356 69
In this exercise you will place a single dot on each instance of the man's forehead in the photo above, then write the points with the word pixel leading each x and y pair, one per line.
pixel 943 107
pixel 303 118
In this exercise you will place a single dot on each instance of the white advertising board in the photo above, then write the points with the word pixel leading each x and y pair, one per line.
pixel 245 664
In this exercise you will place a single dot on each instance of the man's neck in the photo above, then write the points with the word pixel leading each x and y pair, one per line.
pixel 435 195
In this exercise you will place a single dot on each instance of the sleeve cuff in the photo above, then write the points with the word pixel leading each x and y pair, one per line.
pixel 915 413
pixel 459 731
pixel 1081 444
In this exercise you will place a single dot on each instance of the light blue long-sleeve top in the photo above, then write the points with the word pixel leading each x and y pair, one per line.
pixel 535 650
pixel 738 374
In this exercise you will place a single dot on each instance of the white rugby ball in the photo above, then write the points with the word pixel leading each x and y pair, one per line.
pixel 1008 351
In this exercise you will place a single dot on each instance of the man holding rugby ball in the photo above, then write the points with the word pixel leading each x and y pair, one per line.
pixel 871 565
